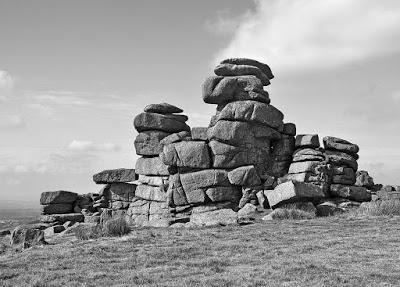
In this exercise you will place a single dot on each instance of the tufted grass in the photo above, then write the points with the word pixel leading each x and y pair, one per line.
pixel 332 251
pixel 379 208
pixel 112 227
pixel 291 214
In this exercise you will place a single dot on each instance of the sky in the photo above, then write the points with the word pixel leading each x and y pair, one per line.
pixel 73 74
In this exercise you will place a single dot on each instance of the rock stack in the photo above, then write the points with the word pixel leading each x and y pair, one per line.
pixel 343 156
pixel 116 195
pixel 57 207
pixel 159 124
pixel 247 133
pixel 309 164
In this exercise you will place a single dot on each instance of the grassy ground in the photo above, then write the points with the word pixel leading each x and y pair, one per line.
pixel 320 252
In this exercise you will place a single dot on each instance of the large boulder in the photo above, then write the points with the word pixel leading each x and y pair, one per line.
pixel 295 191
pixel 341 159
pixel 242 133
pixel 250 62
pixel 333 143
pixel 57 208
pixel 244 176
pixel 241 70
pixel 364 179
pixel 307 141
pixel 120 191
pixel 214 218
pixel 289 129
pixel 229 156
pixel 60 196
pixel 148 143
pixel 283 147
pixel 219 90
pixel 223 193
pixel 204 179
pixel 176 195
pixel 115 175
pixel 152 121
pixel 248 211
pixel 356 193
pixel 194 154
pixel 151 166
pixel 251 111
pixel 153 193
pixel 26 236
pixel 163 108
pixel 176 137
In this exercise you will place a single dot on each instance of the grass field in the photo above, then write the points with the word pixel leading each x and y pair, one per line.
pixel 332 251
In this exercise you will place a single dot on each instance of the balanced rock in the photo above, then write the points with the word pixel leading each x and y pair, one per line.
pixel 194 154
pixel 333 143
pixel 250 62
pixel 241 70
pixel 307 141
pixel 60 196
pixel 163 108
pixel 114 175
pixel 294 191
pixel 152 121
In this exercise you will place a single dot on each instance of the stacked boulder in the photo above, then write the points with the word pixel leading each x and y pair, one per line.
pixel 115 197
pixel 158 122
pixel 247 133
pixel 57 207
pixel 309 164
pixel 343 156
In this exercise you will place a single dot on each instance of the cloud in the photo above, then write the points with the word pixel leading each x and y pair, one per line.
pixel 6 80
pixel 304 34
pixel 88 146
pixel 12 122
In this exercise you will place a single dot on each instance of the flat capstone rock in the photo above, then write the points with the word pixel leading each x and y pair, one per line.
pixel 115 175
pixel 162 108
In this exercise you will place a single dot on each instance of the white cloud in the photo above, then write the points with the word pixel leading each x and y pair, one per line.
pixel 11 122
pixel 304 34
pixel 88 146
pixel 6 80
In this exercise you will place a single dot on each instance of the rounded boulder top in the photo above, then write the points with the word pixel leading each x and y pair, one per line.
pixel 250 62
pixel 163 108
